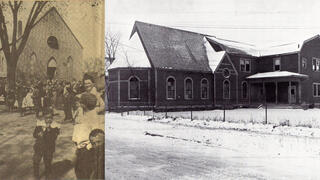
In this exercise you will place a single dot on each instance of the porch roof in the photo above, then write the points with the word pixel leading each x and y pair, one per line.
pixel 277 74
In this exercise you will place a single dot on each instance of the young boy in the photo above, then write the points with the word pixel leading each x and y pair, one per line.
pixel 97 152
pixel 45 133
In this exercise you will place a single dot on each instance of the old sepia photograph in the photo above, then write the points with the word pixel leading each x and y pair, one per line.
pixel 212 89
pixel 52 89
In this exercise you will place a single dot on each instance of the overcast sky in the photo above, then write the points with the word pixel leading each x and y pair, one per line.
pixel 259 22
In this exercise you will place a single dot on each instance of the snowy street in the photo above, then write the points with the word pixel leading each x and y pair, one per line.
pixel 141 149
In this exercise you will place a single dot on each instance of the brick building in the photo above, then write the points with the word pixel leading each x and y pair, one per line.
pixel 52 51
pixel 178 69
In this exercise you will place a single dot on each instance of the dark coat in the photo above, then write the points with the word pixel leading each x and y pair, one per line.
pixel 46 142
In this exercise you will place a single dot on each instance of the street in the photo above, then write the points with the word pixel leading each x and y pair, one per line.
pixel 131 154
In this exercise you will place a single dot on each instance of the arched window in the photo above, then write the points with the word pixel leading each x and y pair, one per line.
pixel 171 88
pixel 188 86
pixel 134 88
pixel 244 90
pixel 226 89
pixel 204 89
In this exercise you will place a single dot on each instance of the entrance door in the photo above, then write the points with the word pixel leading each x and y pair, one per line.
pixel 293 94
pixel 51 69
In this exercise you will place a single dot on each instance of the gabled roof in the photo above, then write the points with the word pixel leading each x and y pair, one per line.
pixel 171 48
pixel 53 9
pixel 233 46
pixel 213 56
pixel 132 58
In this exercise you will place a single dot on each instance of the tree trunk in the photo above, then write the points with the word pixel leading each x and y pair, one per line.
pixel 11 74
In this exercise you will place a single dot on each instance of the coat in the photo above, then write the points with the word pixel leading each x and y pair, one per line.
pixel 47 141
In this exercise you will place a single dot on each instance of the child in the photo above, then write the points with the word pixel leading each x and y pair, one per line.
pixel 77 114
pixel 27 102
pixel 81 135
pixel 97 153
pixel 45 133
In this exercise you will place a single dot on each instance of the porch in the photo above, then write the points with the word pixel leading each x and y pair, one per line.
pixel 277 88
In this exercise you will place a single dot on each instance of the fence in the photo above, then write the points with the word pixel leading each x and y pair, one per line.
pixel 261 115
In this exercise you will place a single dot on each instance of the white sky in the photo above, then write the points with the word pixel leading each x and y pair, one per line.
pixel 259 22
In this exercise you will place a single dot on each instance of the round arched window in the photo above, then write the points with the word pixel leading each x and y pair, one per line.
pixel 226 73
pixel 53 42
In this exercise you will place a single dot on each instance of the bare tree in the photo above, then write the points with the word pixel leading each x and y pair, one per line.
pixel 12 50
pixel 112 43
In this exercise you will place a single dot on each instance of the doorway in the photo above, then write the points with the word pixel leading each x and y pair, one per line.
pixel 51 68
pixel 293 94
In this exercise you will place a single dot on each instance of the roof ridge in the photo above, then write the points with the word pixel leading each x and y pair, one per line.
pixel 64 22
pixel 167 27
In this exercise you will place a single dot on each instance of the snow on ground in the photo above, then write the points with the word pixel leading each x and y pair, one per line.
pixel 269 156
pixel 296 122
pixel 299 140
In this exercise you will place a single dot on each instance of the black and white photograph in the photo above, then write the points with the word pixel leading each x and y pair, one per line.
pixel 52 89
pixel 212 89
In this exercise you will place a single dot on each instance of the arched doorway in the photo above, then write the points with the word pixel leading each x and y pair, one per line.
pixel 51 68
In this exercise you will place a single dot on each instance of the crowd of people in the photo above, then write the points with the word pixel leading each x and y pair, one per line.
pixel 81 103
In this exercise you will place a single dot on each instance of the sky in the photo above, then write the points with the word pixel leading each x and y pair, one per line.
pixel 258 22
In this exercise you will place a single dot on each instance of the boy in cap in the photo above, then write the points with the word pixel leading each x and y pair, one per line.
pixel 45 133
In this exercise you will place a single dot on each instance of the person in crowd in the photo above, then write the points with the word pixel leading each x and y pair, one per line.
pixel 89 87
pixel 20 94
pixel 47 99
pixel 38 95
pixel 10 100
pixel 45 133
pixel 68 100
pixel 83 165
pixel 27 103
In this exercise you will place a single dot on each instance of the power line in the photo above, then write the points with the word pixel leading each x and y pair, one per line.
pixel 229 26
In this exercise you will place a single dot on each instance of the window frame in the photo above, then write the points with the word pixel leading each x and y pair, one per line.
pixel 223 89
pixel 175 88
pixel 185 88
pixel 315 64
pixel 207 88
pixel 244 82
pixel 274 63
pixel 245 62
pixel 315 89
pixel 129 88
pixel 304 63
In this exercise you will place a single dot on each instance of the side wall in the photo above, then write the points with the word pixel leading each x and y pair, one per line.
pixel 309 50
pixel 118 89
pixel 161 101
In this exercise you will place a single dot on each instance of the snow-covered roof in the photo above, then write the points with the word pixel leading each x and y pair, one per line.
pixel 281 49
pixel 235 46
pixel 276 74
pixel 132 55
pixel 214 57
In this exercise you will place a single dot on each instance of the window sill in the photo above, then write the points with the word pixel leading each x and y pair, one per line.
pixel 134 99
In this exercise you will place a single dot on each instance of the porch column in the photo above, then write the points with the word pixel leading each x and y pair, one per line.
pixel 289 92
pixel 276 92
pixel 264 92
pixel 299 87
pixel 249 92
